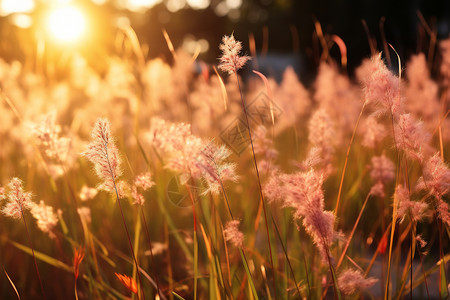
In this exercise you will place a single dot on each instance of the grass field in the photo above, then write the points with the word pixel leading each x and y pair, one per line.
pixel 187 181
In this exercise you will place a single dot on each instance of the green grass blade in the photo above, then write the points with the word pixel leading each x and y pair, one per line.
pixel 443 283
pixel 43 257
pixel 137 230
pixel 178 296
pixel 249 275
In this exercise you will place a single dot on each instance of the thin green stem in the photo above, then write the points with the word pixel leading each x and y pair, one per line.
pixel 130 243
pixel 34 257
pixel 241 249
pixel 195 241
pixel 287 259
pixel 259 182
pixel 151 252
pixel 124 223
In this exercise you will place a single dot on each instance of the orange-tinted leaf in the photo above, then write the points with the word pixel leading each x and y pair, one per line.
pixel 128 282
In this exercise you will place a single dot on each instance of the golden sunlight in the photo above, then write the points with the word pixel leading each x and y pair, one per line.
pixel 66 24
pixel 14 6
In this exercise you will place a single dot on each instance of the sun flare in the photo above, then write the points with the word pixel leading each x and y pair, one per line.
pixel 66 24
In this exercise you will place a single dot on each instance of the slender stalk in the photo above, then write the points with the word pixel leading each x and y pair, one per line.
pixel 34 257
pixel 341 259
pixel 372 261
pixel 129 241
pixel 394 211
pixel 241 249
pixel 76 293
pixel 337 294
pixel 441 254
pixel 195 241
pixel 307 275
pixel 394 218
pixel 424 274
pixel 287 259
pixel 411 262
pixel 346 159
pixel 125 224
pixel 169 260
pixel 259 182
pixel 151 251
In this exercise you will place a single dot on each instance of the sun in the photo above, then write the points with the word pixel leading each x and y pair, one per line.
pixel 66 24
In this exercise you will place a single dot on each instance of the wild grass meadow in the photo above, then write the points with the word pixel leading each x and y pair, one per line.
pixel 185 180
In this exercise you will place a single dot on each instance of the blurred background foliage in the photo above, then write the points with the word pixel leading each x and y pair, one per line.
pixel 279 27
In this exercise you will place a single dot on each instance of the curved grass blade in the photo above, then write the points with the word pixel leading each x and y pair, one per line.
pixel 12 284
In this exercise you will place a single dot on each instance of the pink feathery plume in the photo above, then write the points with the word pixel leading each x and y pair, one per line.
pixel 87 193
pixel 231 60
pixel 436 177
pixel 192 156
pixel 374 132
pixel 47 135
pixel 274 189
pixel 422 91
pixel 416 210
pixel 141 183
pixel 421 241
pixel 233 234
pixel 442 212
pixel 382 172
pixel 264 147
pixel 381 86
pixel 351 281
pixel 18 199
pixel 103 153
pixel 212 160
pixel 46 219
pixel 303 192
pixel 411 137
pixel 322 134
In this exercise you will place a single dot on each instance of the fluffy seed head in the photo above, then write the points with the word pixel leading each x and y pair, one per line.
pixel 382 172
pixel 18 199
pixel 141 183
pixel 383 169
pixel 351 281
pixel 87 193
pixel 192 156
pixel 436 177
pixel 231 60
pixel 442 212
pixel 45 217
pixel 381 86
pixel 411 137
pixel 374 132
pixel 47 135
pixel 103 153
pixel 233 234
pixel 414 209
pixel 303 192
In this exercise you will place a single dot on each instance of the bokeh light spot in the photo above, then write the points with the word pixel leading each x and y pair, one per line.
pixel 66 24
pixel 198 4
pixel 16 6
